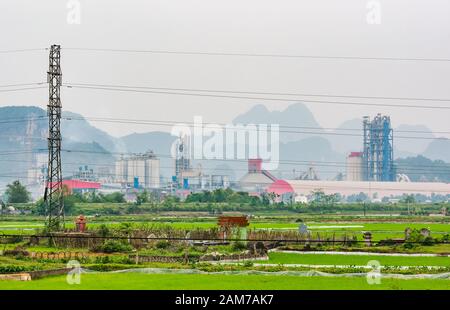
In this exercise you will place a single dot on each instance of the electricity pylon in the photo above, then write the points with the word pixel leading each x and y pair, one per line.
pixel 53 196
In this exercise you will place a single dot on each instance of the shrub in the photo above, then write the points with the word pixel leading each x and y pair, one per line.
pixel 248 263
pixel 387 242
pixel 428 241
pixel 16 268
pixel 113 246
pixel 104 231
pixel 15 239
pixel 162 244
pixel 102 260
pixel 409 245
pixel 109 267
pixel 445 238
pixel 238 246
pixel 417 238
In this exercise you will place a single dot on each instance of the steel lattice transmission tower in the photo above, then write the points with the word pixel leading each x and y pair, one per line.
pixel 53 196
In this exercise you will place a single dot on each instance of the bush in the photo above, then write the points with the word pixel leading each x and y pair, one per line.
pixel 238 246
pixel 16 268
pixel 445 238
pixel 409 245
pixel 428 241
pixel 416 238
pixel 248 263
pixel 114 246
pixel 109 267
pixel 162 244
pixel 15 239
pixel 19 253
pixel 387 242
pixel 102 260
pixel 104 231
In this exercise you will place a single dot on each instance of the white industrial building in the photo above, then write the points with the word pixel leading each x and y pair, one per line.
pixel 354 167
pixel 142 169
pixel 348 188
pixel 36 174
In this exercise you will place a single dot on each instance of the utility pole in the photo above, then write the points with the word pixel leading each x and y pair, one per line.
pixel 53 196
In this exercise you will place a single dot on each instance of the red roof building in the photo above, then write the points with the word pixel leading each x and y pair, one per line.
pixel 280 187
pixel 77 185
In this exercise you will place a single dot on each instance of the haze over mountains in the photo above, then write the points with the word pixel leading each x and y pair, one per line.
pixel 302 140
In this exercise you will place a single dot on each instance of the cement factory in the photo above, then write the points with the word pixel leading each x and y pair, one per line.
pixel 369 170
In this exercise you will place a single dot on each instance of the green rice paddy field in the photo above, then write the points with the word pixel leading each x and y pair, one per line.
pixel 382 229
pixel 379 230
pixel 355 260
pixel 128 281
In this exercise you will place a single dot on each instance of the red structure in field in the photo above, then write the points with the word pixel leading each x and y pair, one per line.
pixel 237 221
pixel 80 223
pixel 228 223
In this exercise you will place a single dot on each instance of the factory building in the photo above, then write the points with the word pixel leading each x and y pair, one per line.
pixel 183 168
pixel 376 162
pixel 187 179
pixel 257 179
pixel 78 186
pixel 374 190
pixel 139 170
pixel 37 173
pixel 378 149
pixel 85 174
pixel 195 180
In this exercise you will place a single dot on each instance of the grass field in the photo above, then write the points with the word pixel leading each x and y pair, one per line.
pixel 355 260
pixel 219 282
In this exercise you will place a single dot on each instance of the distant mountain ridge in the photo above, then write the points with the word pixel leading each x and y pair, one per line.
pixel 296 121
pixel 77 129
pixel 438 149
pixel 24 134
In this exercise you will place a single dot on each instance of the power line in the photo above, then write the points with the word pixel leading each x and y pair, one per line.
pixel 23 84
pixel 287 162
pixel 300 164
pixel 21 89
pixel 259 98
pixel 22 50
pixel 322 57
pixel 171 123
pixel 167 122
pixel 281 162
pixel 257 92
pixel 23 119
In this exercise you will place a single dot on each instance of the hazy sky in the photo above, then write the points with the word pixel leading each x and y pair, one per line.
pixel 408 29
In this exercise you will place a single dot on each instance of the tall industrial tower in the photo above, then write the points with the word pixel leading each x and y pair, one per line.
pixel 378 155
pixel 53 195
pixel 182 159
